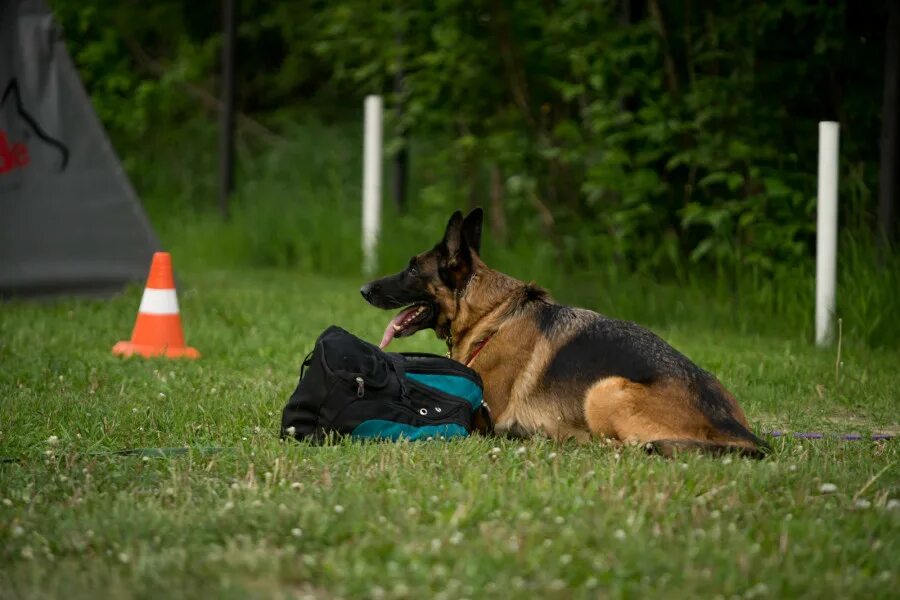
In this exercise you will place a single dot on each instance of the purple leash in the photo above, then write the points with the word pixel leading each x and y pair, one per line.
pixel 814 435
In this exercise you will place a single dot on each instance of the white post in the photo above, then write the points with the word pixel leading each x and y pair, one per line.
pixel 371 222
pixel 826 230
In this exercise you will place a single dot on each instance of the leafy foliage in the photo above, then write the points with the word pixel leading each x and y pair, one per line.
pixel 673 140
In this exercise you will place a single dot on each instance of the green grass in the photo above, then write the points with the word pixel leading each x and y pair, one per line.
pixel 268 519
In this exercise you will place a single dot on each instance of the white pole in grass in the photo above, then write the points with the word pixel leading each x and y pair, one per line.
pixel 826 230
pixel 371 223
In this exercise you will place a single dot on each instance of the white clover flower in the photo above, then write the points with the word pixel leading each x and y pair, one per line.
pixel 495 450
pixel 297 532
pixel 862 503
pixel 559 520
pixel 552 455
pixel 565 559
pixel 338 508
pixel 828 488
pixel 456 538
pixel 291 430
pixel 124 558
pixel 619 534
pixel 893 504
pixel 296 486
pixel 53 440
pixel 27 553
pixel 162 394
pixel 520 450
pixel 18 531
pixel 228 505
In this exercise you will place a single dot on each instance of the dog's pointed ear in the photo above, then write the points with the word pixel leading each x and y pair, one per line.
pixel 453 240
pixel 471 229
pixel 456 265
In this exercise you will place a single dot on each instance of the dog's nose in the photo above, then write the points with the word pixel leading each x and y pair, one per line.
pixel 366 291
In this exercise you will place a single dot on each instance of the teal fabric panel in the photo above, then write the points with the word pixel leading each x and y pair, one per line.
pixel 378 428
pixel 451 384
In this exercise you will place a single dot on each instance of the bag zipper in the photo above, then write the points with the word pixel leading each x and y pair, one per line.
pixel 456 405
pixel 447 371
pixel 360 387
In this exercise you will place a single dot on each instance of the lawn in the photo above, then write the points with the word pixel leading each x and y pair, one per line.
pixel 244 515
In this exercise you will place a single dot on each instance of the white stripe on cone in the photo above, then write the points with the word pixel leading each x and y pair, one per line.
pixel 159 302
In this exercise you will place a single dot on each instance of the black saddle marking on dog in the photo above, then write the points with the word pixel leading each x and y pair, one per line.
pixel 611 348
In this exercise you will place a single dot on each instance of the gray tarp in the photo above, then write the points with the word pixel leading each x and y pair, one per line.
pixel 70 221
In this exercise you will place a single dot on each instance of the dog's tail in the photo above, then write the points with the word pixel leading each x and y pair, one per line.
pixel 672 448
pixel 732 435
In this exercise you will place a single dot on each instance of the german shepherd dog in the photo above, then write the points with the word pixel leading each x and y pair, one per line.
pixel 557 370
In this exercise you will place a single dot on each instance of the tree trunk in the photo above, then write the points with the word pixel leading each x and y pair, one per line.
pixel 498 213
pixel 668 61
pixel 401 159
pixel 888 175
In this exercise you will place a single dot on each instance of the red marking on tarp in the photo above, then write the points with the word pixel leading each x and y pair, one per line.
pixel 13 156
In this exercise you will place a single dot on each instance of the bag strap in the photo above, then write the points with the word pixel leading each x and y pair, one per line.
pixel 395 362
pixel 306 362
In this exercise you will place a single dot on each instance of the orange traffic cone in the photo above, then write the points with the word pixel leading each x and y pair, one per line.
pixel 157 331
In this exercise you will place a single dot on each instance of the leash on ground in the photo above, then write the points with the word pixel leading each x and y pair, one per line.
pixel 815 435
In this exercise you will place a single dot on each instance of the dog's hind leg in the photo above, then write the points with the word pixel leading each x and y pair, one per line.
pixel 661 416
pixel 618 408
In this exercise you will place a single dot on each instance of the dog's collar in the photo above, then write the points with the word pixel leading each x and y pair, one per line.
pixel 478 348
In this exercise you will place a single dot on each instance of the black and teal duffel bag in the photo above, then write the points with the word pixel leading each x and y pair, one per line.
pixel 351 387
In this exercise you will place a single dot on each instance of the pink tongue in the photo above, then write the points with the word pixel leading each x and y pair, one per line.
pixel 389 331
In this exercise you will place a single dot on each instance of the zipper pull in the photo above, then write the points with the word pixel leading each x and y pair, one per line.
pixel 360 387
